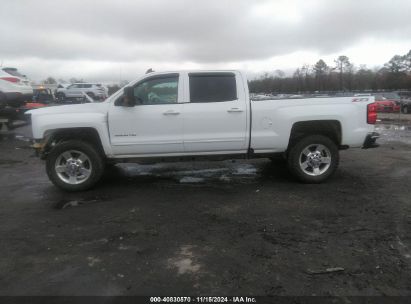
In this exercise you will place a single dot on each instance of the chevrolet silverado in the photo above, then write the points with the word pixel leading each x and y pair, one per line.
pixel 165 116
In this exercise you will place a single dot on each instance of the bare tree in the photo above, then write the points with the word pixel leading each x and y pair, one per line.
pixel 321 70
pixel 342 65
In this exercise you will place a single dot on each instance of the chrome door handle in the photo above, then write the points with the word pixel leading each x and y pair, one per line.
pixel 234 110
pixel 171 112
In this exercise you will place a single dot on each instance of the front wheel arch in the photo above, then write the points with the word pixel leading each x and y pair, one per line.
pixel 86 134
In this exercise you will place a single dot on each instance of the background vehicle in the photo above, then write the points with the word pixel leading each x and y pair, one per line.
pixel 76 90
pixel 43 95
pixel 406 106
pixel 62 86
pixel 197 114
pixel 405 101
pixel 15 88
pixel 387 105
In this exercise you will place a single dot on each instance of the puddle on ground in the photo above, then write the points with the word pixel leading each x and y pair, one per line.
pixel 394 132
pixel 66 203
pixel 184 261
pixel 196 172
pixel 10 161
pixel 22 137
pixel 191 180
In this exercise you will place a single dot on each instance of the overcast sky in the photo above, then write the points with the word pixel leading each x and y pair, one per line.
pixel 114 40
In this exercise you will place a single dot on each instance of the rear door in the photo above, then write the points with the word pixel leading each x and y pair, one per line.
pixel 215 113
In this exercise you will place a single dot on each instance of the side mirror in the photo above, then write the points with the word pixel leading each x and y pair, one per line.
pixel 129 99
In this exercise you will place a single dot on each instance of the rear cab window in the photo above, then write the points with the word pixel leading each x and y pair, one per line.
pixel 212 87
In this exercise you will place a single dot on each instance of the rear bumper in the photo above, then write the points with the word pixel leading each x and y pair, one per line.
pixel 370 140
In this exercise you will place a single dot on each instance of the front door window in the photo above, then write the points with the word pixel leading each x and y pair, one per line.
pixel 162 90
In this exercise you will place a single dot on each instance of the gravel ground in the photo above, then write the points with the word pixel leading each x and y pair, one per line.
pixel 210 228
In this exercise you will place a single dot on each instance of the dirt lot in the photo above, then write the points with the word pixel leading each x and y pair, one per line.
pixel 222 228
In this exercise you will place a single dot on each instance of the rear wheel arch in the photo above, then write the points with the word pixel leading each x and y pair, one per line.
pixel 328 128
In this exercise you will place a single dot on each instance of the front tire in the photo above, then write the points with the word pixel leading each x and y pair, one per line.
pixel 313 159
pixel 60 97
pixel 74 166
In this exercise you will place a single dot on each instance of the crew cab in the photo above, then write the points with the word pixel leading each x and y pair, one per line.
pixel 182 115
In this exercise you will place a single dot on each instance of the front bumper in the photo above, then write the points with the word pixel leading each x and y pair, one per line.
pixel 370 140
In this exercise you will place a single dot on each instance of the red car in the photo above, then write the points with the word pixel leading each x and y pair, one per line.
pixel 387 105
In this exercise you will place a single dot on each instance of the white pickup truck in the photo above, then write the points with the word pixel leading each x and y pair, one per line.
pixel 195 114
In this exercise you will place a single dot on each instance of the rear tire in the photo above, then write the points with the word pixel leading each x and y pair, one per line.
pixel 313 159
pixel 74 165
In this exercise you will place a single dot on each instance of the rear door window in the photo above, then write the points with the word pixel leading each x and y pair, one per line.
pixel 212 87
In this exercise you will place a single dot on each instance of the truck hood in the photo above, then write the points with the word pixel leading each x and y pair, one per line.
pixel 100 107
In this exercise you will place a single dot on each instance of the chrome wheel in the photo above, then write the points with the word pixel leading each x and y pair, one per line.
pixel 73 167
pixel 315 159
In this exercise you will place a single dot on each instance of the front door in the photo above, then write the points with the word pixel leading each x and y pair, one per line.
pixel 155 125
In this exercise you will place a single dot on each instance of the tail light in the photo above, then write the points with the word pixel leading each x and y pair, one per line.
pixel 372 113
pixel 10 79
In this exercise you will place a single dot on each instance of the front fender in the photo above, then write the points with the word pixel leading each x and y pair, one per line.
pixel 44 126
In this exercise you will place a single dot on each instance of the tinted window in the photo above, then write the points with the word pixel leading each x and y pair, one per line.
pixel 208 87
pixel 158 90
pixel 86 86
pixel 12 72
